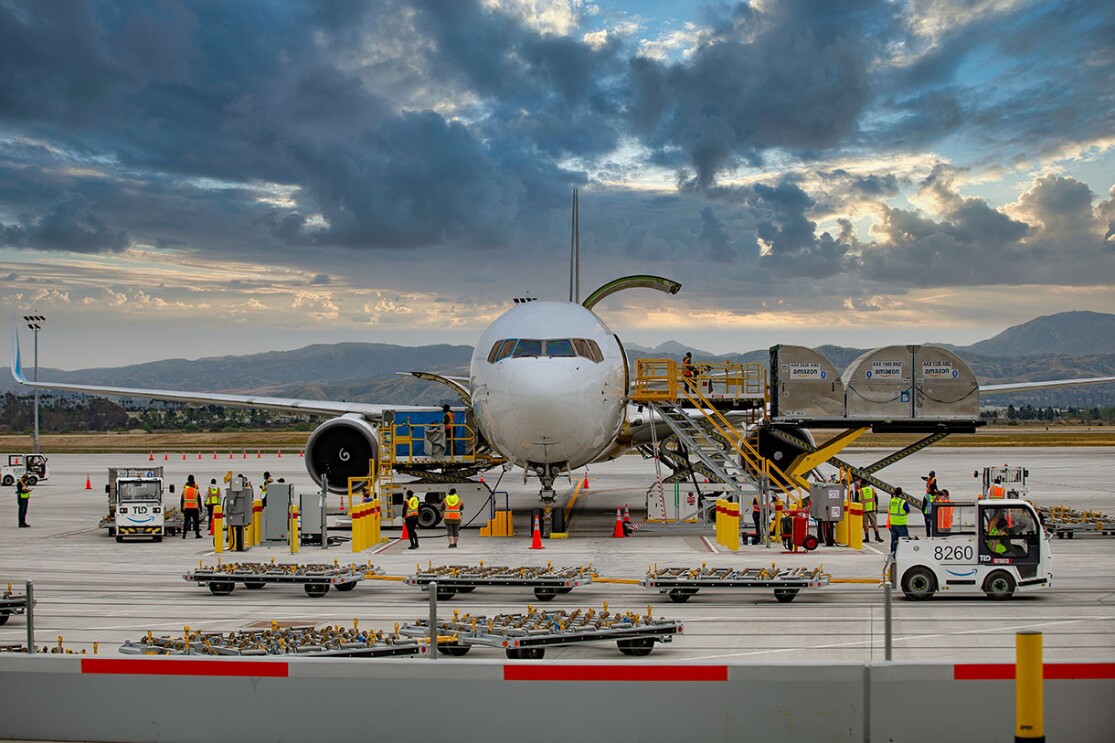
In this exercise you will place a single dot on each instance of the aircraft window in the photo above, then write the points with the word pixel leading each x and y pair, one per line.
pixel 563 347
pixel 588 349
pixel 501 350
pixel 528 347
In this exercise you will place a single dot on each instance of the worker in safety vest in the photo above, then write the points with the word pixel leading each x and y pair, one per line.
pixel 943 511
pixel 191 507
pixel 997 490
pixel 212 498
pixel 267 479
pixel 23 498
pixel 776 522
pixel 995 545
pixel 899 513
pixel 870 503
pixel 451 512
pixel 410 515
pixel 755 517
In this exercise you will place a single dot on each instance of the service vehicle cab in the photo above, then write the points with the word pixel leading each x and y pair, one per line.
pixel 33 465
pixel 990 546
pixel 135 501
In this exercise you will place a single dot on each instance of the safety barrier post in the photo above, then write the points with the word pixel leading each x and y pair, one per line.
pixel 855 526
pixel 733 525
pixel 377 521
pixel 257 521
pixel 433 619
pixel 1029 676
pixel 356 512
pixel 218 528
pixel 720 503
pixel 292 529
pixel 29 594
pixel 365 525
pixel 888 636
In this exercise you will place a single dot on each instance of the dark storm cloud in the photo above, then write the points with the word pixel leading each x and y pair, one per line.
pixel 795 77
pixel 70 224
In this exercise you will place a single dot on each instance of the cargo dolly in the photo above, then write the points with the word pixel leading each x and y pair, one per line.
pixel 682 583
pixel 312 642
pixel 316 579
pixel 1067 522
pixel 547 581
pixel 11 603
pixel 526 636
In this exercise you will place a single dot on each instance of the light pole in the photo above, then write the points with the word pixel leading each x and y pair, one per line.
pixel 35 323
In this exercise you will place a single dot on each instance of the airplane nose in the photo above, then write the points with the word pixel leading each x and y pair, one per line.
pixel 543 400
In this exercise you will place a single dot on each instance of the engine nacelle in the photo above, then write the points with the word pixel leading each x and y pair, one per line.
pixel 339 449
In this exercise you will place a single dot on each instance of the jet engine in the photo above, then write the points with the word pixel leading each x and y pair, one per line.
pixel 339 449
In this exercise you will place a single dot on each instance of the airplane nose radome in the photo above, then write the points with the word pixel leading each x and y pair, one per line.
pixel 543 394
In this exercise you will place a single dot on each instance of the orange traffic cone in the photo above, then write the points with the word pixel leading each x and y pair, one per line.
pixel 258 454
pixel 88 485
pixel 151 457
pixel 481 477
pixel 245 454
pixel 628 527
pixel 405 534
pixel 536 536
pixel 230 455
pixel 301 453
pixel 280 453
pixel 617 533
pixel 210 527
pixel 584 485
pixel 166 457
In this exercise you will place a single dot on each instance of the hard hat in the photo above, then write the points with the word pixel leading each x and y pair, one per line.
pixel 213 481
pixel 932 473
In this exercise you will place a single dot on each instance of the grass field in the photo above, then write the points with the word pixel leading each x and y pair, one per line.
pixel 293 441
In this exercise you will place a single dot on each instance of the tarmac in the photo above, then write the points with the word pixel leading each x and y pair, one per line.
pixel 89 589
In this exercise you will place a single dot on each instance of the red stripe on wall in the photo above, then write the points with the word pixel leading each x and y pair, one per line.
pixel 1050 671
pixel 615 673
pixel 182 667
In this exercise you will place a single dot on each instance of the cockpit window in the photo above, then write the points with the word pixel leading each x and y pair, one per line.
pixel 563 347
pixel 550 347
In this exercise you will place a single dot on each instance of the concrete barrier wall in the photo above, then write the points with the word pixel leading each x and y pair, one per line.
pixel 181 699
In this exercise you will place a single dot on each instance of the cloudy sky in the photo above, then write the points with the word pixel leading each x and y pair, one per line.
pixel 200 178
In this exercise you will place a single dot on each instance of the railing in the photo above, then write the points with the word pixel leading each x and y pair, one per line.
pixel 659 380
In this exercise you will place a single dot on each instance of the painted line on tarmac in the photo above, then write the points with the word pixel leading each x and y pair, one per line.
pixel 709 546
pixel 869 548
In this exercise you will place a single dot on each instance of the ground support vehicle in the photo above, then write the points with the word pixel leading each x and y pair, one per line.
pixel 547 581
pixel 316 580
pixel 32 465
pixel 135 504
pixel 680 584
pixel 1067 522
pixel 994 546
pixel 312 642
pixel 526 636
pixel 11 602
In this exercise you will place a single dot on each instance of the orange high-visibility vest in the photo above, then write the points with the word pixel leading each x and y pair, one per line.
pixel 453 508
pixel 189 497
pixel 996 491
pixel 944 513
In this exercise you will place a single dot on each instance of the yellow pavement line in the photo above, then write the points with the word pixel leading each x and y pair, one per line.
pixel 624 581
pixel 369 576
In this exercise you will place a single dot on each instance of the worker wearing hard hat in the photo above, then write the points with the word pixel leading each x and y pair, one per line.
pixel 191 507
pixel 870 502
pixel 410 515
pixel 899 513
pixel 451 510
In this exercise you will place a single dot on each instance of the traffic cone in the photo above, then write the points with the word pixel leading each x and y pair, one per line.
pixel 230 455
pixel 151 457
pixel 258 454
pixel 183 456
pixel 584 485
pixel 301 453
pixel 481 477
pixel 628 527
pixel 88 484
pixel 166 457
pixel 405 534
pixel 214 455
pixel 199 456
pixel 617 533
pixel 245 454
pixel 280 453
pixel 536 537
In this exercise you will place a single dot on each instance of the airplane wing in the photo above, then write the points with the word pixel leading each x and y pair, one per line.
pixel 992 389
pixel 286 404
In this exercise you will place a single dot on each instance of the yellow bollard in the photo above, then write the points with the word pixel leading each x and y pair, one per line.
pixel 292 529
pixel 218 529
pixel 855 526
pixel 720 519
pixel 733 526
pixel 355 513
pixel 257 521
pixel 1029 706
pixel 365 523
pixel 841 533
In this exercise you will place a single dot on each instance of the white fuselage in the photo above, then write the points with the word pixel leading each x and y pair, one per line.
pixel 549 386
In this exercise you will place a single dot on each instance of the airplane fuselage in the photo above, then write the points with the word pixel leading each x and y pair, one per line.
pixel 549 387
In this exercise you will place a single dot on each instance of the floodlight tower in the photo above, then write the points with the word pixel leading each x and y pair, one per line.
pixel 35 323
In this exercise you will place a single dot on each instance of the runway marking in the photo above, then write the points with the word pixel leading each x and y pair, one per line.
pixel 872 549
pixel 709 546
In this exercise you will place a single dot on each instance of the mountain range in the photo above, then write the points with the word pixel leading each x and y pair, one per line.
pixel 1065 345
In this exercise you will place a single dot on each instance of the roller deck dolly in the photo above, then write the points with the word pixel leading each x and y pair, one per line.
pixel 547 581
pixel 526 636
pixel 680 584
pixel 306 642
pixel 11 603
pixel 316 579
pixel 1067 522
